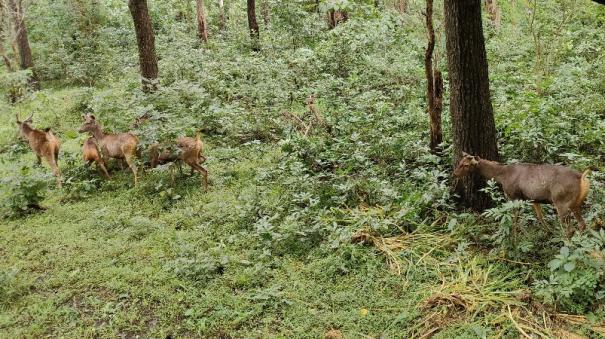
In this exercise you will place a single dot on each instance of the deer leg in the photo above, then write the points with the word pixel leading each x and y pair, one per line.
pixel 102 168
pixel 539 215
pixel 578 214
pixel 203 172
pixel 56 170
pixel 130 161
pixel 563 212
pixel 38 160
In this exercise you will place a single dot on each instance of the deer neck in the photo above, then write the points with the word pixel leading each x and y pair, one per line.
pixel 97 132
pixel 26 130
pixel 492 170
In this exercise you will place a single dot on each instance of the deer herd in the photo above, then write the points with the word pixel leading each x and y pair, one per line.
pixel 561 186
pixel 101 146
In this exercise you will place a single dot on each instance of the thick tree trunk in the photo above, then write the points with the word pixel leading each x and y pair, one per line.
pixel 471 110
pixel 253 25
pixel 146 42
pixel 434 92
pixel 202 26
pixel 21 39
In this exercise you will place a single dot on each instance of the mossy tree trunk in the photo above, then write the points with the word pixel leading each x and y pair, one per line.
pixel 146 42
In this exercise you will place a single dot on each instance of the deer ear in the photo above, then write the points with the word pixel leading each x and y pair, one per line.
pixel 475 160
pixel 92 117
pixel 464 154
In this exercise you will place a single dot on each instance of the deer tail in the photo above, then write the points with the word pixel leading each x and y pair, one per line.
pixel 584 187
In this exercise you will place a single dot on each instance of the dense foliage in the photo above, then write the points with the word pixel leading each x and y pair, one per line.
pixel 269 250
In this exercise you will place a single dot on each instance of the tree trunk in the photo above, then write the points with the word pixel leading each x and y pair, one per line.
pixel 493 12
pixel 21 40
pixel 221 15
pixel 146 42
pixel 253 25
pixel 336 17
pixel 265 11
pixel 402 6
pixel 471 110
pixel 433 81
pixel 202 26
pixel 5 59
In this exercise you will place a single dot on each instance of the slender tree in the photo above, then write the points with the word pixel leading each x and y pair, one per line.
pixel 3 21
pixel 265 11
pixel 221 15
pixel 434 84
pixel 202 26
pixel 473 126
pixel 21 40
pixel 145 40
pixel 402 6
pixel 493 11
pixel 253 24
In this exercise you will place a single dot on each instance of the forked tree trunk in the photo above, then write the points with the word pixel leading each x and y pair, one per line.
pixel 202 26
pixel 253 25
pixel 21 40
pixel 146 42
pixel 434 85
pixel 471 110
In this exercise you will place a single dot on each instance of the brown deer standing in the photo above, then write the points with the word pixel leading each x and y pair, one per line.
pixel 91 154
pixel 122 146
pixel 565 188
pixel 191 154
pixel 44 144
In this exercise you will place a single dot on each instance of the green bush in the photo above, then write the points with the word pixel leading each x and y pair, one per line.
pixel 22 193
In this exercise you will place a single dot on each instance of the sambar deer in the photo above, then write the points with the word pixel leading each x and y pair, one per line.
pixel 565 188
pixel 121 146
pixel 190 153
pixel 44 144
pixel 90 153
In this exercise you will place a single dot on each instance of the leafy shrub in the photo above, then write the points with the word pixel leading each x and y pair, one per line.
pixel 22 193
pixel 576 280
pixel 16 84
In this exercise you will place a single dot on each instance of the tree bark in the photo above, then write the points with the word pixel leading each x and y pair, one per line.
pixel 202 26
pixel 146 42
pixel 253 25
pixel 265 12
pixel 7 62
pixel 434 85
pixel 336 17
pixel 402 6
pixel 493 12
pixel 471 110
pixel 221 15
pixel 21 40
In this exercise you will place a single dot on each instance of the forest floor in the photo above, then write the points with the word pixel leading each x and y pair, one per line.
pixel 120 262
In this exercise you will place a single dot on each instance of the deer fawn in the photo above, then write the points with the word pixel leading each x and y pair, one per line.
pixel 90 153
pixel 191 154
pixel 44 144
pixel 565 188
pixel 122 146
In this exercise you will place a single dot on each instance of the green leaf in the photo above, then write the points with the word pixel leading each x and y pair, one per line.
pixel 565 251
pixel 569 266
pixel 554 264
